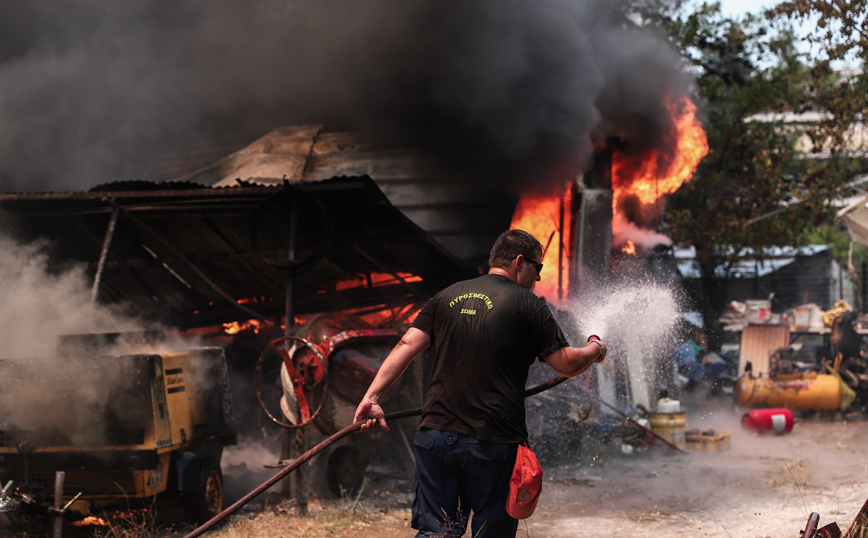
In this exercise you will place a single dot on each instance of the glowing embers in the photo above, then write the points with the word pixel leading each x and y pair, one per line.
pixel 546 216
pixel 91 521
pixel 122 522
pixel 376 279
pixel 256 326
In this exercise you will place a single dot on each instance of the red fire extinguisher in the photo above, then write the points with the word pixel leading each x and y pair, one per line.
pixel 778 421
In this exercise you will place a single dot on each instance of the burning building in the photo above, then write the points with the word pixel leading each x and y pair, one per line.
pixel 446 124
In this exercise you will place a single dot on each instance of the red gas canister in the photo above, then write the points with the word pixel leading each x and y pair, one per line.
pixel 778 421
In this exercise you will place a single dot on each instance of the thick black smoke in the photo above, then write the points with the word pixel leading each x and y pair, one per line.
pixel 94 91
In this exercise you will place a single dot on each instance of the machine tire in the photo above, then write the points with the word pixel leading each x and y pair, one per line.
pixel 345 471
pixel 207 501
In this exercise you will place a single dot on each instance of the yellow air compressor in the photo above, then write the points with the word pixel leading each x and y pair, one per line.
pixel 808 391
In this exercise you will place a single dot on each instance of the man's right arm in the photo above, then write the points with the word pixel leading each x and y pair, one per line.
pixel 412 343
pixel 572 361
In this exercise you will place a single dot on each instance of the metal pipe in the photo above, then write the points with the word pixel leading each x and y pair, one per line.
pixel 193 267
pixel 106 245
pixel 322 446
pixel 300 446
pixel 647 430
pixel 290 468
pixel 811 526
pixel 59 478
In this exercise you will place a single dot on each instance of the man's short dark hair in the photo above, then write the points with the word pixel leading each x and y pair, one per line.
pixel 510 244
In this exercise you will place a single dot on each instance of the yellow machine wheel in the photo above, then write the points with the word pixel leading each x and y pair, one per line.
pixel 207 501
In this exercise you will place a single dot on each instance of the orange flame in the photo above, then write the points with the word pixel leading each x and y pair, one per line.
pixel 647 177
pixel 251 325
pixel 629 248
pixel 647 181
pixel 91 521
pixel 376 279
pixel 650 176
pixel 544 216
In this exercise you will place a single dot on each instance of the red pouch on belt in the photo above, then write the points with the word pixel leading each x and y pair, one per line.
pixel 525 484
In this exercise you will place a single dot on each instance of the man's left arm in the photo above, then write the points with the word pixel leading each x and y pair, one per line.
pixel 412 343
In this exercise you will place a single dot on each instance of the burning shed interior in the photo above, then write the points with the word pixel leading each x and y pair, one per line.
pixel 332 264
pixel 378 181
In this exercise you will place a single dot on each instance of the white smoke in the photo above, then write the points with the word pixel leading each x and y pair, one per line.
pixel 624 231
pixel 38 304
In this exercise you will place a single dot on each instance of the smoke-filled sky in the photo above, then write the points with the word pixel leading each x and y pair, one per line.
pixel 93 91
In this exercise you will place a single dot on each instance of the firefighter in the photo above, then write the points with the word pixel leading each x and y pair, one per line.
pixel 485 334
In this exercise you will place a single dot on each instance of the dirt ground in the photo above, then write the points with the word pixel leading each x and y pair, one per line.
pixel 759 487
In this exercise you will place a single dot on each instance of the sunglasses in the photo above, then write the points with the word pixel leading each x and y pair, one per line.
pixel 538 265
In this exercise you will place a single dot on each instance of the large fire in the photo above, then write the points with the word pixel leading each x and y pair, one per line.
pixel 546 216
pixel 653 175
pixel 645 179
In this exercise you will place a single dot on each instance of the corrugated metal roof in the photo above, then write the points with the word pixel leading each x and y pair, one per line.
pixel 464 213
pixel 774 258
pixel 190 255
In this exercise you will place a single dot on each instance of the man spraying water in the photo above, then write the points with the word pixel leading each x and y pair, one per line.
pixel 485 334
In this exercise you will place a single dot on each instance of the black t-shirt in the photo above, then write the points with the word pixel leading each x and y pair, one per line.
pixel 485 333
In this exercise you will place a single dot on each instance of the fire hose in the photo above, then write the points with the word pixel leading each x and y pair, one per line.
pixel 297 462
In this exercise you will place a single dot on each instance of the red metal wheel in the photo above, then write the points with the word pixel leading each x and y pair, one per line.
pixel 304 379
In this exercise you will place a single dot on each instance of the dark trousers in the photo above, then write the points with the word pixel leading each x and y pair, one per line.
pixel 457 474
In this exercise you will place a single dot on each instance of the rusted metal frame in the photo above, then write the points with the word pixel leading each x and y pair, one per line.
pixel 330 344
pixel 811 526
pixel 829 531
pixel 144 262
pixel 192 266
pixel 811 531
pixel 561 251
pixel 9 225
pixel 408 285
pixel 188 209
pixel 859 527
pixel 59 478
pixel 301 477
pixel 206 192
pixel 340 300
pixel 106 245
pixel 254 270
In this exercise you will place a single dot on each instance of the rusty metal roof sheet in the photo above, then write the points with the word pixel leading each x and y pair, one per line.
pixel 464 212
pixel 190 255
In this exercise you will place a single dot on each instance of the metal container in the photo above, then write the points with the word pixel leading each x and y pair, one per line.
pixel 798 392
pixel 669 426
pixel 778 421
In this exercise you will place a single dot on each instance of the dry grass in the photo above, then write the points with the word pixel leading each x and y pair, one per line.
pixel 795 471
pixel 321 521
pixel 280 521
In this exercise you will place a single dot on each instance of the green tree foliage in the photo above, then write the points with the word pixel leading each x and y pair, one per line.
pixel 839 82
pixel 744 68
pixel 755 188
